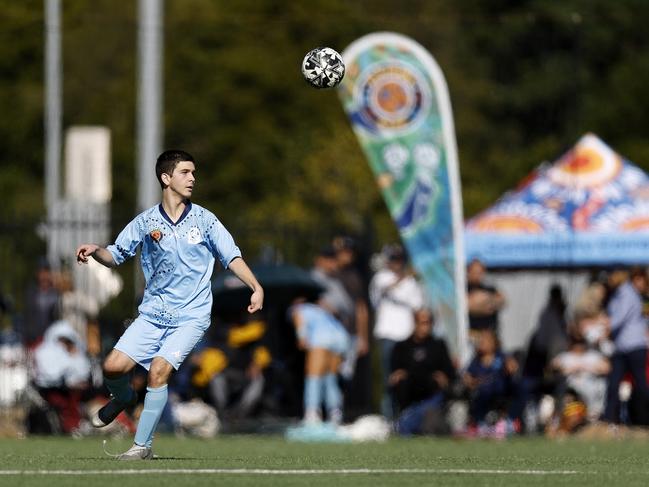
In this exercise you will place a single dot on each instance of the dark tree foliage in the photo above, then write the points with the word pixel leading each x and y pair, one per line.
pixel 276 159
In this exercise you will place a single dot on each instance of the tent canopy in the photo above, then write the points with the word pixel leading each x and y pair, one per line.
pixel 588 208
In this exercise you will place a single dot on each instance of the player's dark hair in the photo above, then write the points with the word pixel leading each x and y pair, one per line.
pixel 167 162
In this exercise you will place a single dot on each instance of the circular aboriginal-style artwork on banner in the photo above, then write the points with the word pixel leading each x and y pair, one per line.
pixel 392 97
pixel 590 164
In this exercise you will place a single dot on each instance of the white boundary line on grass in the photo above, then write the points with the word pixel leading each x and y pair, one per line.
pixel 256 471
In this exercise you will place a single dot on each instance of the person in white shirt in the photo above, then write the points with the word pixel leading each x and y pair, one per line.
pixel 395 294
pixel 61 373
pixel 584 370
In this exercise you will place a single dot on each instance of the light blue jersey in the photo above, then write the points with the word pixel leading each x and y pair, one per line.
pixel 177 262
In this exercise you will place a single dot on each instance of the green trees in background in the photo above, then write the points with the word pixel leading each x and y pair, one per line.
pixel 277 159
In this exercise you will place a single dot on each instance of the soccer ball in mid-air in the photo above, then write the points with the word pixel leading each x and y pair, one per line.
pixel 323 67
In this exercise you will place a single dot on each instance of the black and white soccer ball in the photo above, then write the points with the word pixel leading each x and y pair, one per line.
pixel 323 67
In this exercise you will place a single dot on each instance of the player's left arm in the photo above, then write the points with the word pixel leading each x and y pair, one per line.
pixel 223 246
pixel 243 272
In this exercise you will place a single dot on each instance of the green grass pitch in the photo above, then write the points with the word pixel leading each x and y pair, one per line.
pixel 270 461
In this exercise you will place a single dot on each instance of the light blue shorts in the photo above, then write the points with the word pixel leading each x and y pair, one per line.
pixel 144 340
pixel 327 336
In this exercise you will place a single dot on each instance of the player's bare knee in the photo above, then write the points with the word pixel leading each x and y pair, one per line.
pixel 159 372
pixel 116 364
pixel 112 367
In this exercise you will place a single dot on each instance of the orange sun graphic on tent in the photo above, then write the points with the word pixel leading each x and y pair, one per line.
pixel 590 164
pixel 584 162
pixel 507 224
pixel 636 224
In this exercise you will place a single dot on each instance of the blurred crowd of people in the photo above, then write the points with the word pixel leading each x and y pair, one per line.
pixel 585 362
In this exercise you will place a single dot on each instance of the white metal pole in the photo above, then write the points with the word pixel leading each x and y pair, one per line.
pixel 53 76
pixel 149 115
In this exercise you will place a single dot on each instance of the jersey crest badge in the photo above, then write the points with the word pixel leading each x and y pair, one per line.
pixel 194 236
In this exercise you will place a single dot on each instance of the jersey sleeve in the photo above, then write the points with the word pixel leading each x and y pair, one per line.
pixel 127 242
pixel 221 242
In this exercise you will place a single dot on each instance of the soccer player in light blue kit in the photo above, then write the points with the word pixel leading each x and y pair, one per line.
pixel 179 242
pixel 325 341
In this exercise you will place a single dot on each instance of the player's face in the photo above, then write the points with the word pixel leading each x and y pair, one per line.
pixel 183 179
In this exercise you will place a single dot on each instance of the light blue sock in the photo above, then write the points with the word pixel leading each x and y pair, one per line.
pixel 333 397
pixel 312 393
pixel 120 388
pixel 154 403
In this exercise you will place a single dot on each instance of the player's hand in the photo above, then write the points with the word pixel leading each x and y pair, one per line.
pixel 256 301
pixel 85 251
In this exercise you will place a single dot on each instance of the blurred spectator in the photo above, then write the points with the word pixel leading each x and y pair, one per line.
pixel 234 372
pixel 484 301
pixel 591 300
pixel 356 367
pixel 583 370
pixel 8 335
pixel 42 305
pixel 61 373
pixel 594 328
pixel 395 295
pixel 640 282
pixel 421 372
pixel 335 298
pixel 325 342
pixel 628 330
pixel 550 336
pixel 569 417
pixel 590 315
pixel 350 277
pixel 638 406
pixel 77 308
pixel 488 379
pixel 13 367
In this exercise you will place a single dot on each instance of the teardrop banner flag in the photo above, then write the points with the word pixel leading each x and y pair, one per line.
pixel 397 101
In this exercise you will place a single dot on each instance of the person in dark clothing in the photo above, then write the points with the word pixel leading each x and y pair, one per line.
pixel 484 301
pixel 488 382
pixel 243 377
pixel 356 368
pixel 550 337
pixel 421 372
pixel 42 306
pixel 548 340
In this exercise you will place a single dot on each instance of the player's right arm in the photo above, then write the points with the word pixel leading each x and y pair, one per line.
pixel 100 254
pixel 125 246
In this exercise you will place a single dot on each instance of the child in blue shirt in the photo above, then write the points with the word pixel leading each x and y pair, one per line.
pixel 488 378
